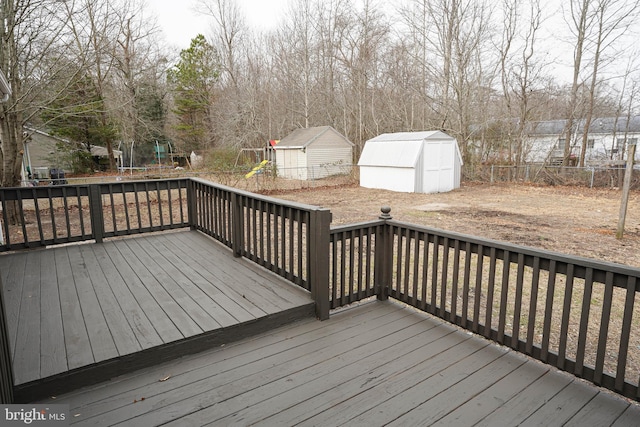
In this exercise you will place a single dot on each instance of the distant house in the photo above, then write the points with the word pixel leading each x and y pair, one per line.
pixel 313 153
pixel 41 154
pixel 411 162
pixel 606 140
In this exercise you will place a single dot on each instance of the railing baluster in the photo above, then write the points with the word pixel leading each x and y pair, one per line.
pixel 148 198
pixel 466 284
pixel 125 204
pixel 293 218
pixel 604 328
pixel 113 208
pixel 584 321
pixel 445 278
pixel 38 215
pixel 80 213
pixel 478 290
pixel 344 289
pixel 360 254
pixel 504 294
pixel 566 311
pixel 455 280
pixel 488 321
pixel 22 215
pixel 515 336
pixel 434 274
pixel 170 203
pixel 625 333
pixel 160 214
pixel 334 269
pixel 137 200
pixel 52 211
pixel 425 271
pixel 533 303
pixel 416 268
pixel 407 264
pixel 548 311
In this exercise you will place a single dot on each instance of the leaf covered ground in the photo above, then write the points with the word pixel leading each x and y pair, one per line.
pixel 571 220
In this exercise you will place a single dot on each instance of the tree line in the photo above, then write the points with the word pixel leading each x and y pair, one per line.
pixel 98 72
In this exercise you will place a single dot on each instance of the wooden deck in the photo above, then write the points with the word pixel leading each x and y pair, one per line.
pixel 379 363
pixel 80 314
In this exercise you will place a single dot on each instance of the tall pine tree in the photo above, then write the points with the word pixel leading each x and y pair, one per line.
pixel 192 80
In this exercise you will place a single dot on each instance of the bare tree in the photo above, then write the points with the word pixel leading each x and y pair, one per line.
pixel 520 71
pixel 32 55
pixel 137 98
pixel 611 20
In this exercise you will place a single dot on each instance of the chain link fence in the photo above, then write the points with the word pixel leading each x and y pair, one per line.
pixel 592 176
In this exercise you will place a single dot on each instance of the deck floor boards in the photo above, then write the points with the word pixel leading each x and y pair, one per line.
pixel 72 308
pixel 372 364
pixel 53 354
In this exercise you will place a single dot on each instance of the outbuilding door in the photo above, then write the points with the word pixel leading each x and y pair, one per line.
pixel 419 172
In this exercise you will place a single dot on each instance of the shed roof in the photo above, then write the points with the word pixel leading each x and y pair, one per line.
pixel 412 136
pixel 302 138
pixel 399 149
pixel 391 153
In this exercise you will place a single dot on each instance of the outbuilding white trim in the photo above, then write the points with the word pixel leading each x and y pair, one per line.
pixel 413 162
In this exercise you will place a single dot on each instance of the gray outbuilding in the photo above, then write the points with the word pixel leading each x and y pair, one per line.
pixel 313 153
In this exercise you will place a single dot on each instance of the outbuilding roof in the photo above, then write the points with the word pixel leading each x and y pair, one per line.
pixel 391 153
pixel 400 149
pixel 412 136
pixel 302 138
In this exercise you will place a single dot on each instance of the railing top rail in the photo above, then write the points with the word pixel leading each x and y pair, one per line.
pixel 526 250
pixel 356 226
pixel 261 197
pixel 57 188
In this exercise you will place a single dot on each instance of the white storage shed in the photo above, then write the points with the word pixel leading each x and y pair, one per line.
pixel 313 153
pixel 411 162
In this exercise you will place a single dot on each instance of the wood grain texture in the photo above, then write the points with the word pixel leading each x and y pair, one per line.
pixel 376 363
pixel 84 313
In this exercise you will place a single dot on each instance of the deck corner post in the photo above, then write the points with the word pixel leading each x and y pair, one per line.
pixel 191 203
pixel 95 212
pixel 382 274
pixel 237 224
pixel 6 367
pixel 318 252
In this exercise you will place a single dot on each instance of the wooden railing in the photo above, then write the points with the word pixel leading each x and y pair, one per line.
pixel 577 314
pixel 580 315
pixel 53 215
pixel 289 239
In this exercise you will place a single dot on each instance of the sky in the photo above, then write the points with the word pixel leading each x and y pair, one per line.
pixel 180 23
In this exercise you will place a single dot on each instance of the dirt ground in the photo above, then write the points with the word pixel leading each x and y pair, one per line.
pixel 571 220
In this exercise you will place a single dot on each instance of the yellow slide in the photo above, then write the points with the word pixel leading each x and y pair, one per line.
pixel 257 168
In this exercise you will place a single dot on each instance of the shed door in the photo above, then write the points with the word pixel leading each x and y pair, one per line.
pixel 419 173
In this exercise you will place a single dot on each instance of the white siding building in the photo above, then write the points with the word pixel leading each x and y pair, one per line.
pixel 313 153
pixel 606 140
pixel 411 162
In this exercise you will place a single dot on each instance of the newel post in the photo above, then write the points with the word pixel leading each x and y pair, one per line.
pixel 237 225
pixel 382 274
pixel 96 213
pixel 192 206
pixel 318 252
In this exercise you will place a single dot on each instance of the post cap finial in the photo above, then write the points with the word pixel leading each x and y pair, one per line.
pixel 385 212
